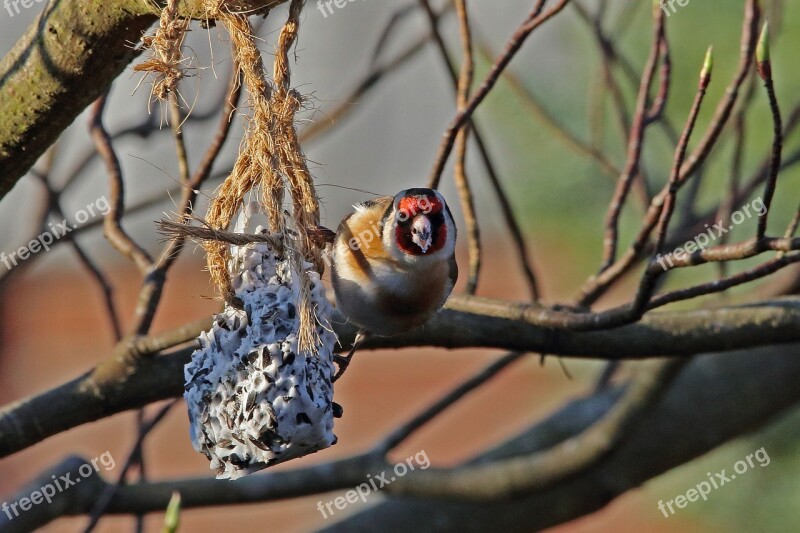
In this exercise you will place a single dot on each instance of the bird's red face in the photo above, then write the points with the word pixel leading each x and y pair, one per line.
pixel 420 221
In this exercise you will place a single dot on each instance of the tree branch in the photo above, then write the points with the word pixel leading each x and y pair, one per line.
pixel 693 417
pixel 115 386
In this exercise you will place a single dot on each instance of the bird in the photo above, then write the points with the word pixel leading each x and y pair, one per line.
pixel 393 263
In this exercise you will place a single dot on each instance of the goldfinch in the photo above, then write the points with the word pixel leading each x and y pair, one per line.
pixel 394 262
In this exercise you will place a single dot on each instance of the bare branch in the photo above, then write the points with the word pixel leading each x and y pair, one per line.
pixel 695 415
pixel 765 71
pixel 535 19
pixel 635 140
pixel 467 322
pixel 462 85
pixel 399 435
pixel 648 450
pixel 113 221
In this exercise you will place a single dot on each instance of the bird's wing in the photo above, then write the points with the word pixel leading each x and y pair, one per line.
pixel 453 270
pixel 381 201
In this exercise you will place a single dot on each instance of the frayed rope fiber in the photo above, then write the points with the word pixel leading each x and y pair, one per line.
pixel 259 388
pixel 270 156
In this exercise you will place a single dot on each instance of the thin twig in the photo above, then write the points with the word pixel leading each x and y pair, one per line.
pixel 376 74
pixel 400 434
pixel 389 29
pixel 520 246
pixel 179 230
pixel 462 84
pixel 680 154
pixel 535 19
pixel 635 141
pixel 725 107
pixel 152 288
pixel 108 494
pixel 598 285
pixel 765 269
pixel 765 71
pixel 648 283
pixel 560 132
pixel 727 207
pixel 506 478
pixel 54 207
pixel 113 220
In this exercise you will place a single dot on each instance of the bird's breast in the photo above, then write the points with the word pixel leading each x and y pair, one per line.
pixel 385 298
pixel 408 292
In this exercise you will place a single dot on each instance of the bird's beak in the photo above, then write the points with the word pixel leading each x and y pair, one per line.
pixel 421 232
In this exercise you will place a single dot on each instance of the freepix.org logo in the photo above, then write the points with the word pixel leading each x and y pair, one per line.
pixel 374 484
pixel 48 491
pixel 326 7
pixel 13 6
pixel 703 489
pixel 671 6
pixel 55 232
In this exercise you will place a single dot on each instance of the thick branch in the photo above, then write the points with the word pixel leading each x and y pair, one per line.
pixel 116 386
pixel 695 416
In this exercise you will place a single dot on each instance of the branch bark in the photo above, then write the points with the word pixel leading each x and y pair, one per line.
pixel 67 58
pixel 694 416
pixel 123 383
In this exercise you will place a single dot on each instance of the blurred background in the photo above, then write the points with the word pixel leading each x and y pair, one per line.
pixel 53 324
